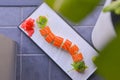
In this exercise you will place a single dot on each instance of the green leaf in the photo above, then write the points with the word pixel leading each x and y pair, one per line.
pixel 114 7
pixel 117 11
pixel 73 10
pixel 108 62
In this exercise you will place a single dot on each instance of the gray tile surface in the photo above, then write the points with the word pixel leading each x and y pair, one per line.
pixel 26 11
pixel 91 19
pixel 35 68
pixel 20 2
pixel 56 73
pixel 28 47
pixel 18 68
pixel 32 63
pixel 85 32
pixel 10 16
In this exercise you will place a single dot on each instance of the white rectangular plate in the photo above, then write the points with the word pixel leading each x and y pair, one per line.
pixel 61 57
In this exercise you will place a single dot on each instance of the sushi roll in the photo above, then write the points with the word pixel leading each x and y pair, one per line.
pixel 67 44
pixel 78 62
pixel 77 57
pixel 50 37
pixel 58 41
pixel 45 31
pixel 73 49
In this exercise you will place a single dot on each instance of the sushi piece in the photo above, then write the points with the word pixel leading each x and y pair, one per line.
pixel 45 31
pixel 66 45
pixel 58 41
pixel 74 49
pixel 50 37
pixel 77 57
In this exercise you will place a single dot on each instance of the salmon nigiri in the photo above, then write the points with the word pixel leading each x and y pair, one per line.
pixel 45 31
pixel 66 45
pixel 58 41
pixel 77 57
pixel 50 37
pixel 73 50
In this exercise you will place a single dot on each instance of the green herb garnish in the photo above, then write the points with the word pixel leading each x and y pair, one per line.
pixel 42 21
pixel 79 66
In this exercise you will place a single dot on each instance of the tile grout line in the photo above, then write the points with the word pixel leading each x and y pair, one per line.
pixel 30 54
pixel 85 26
pixel 21 32
pixel 20 67
pixel 21 14
pixel 16 61
pixel 21 48
pixel 8 27
pixel 21 39
pixel 49 73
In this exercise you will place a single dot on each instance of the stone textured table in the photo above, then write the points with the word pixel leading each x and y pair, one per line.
pixel 32 62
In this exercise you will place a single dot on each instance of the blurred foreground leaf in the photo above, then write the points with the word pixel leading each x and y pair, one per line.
pixel 108 62
pixel 73 10
pixel 113 7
